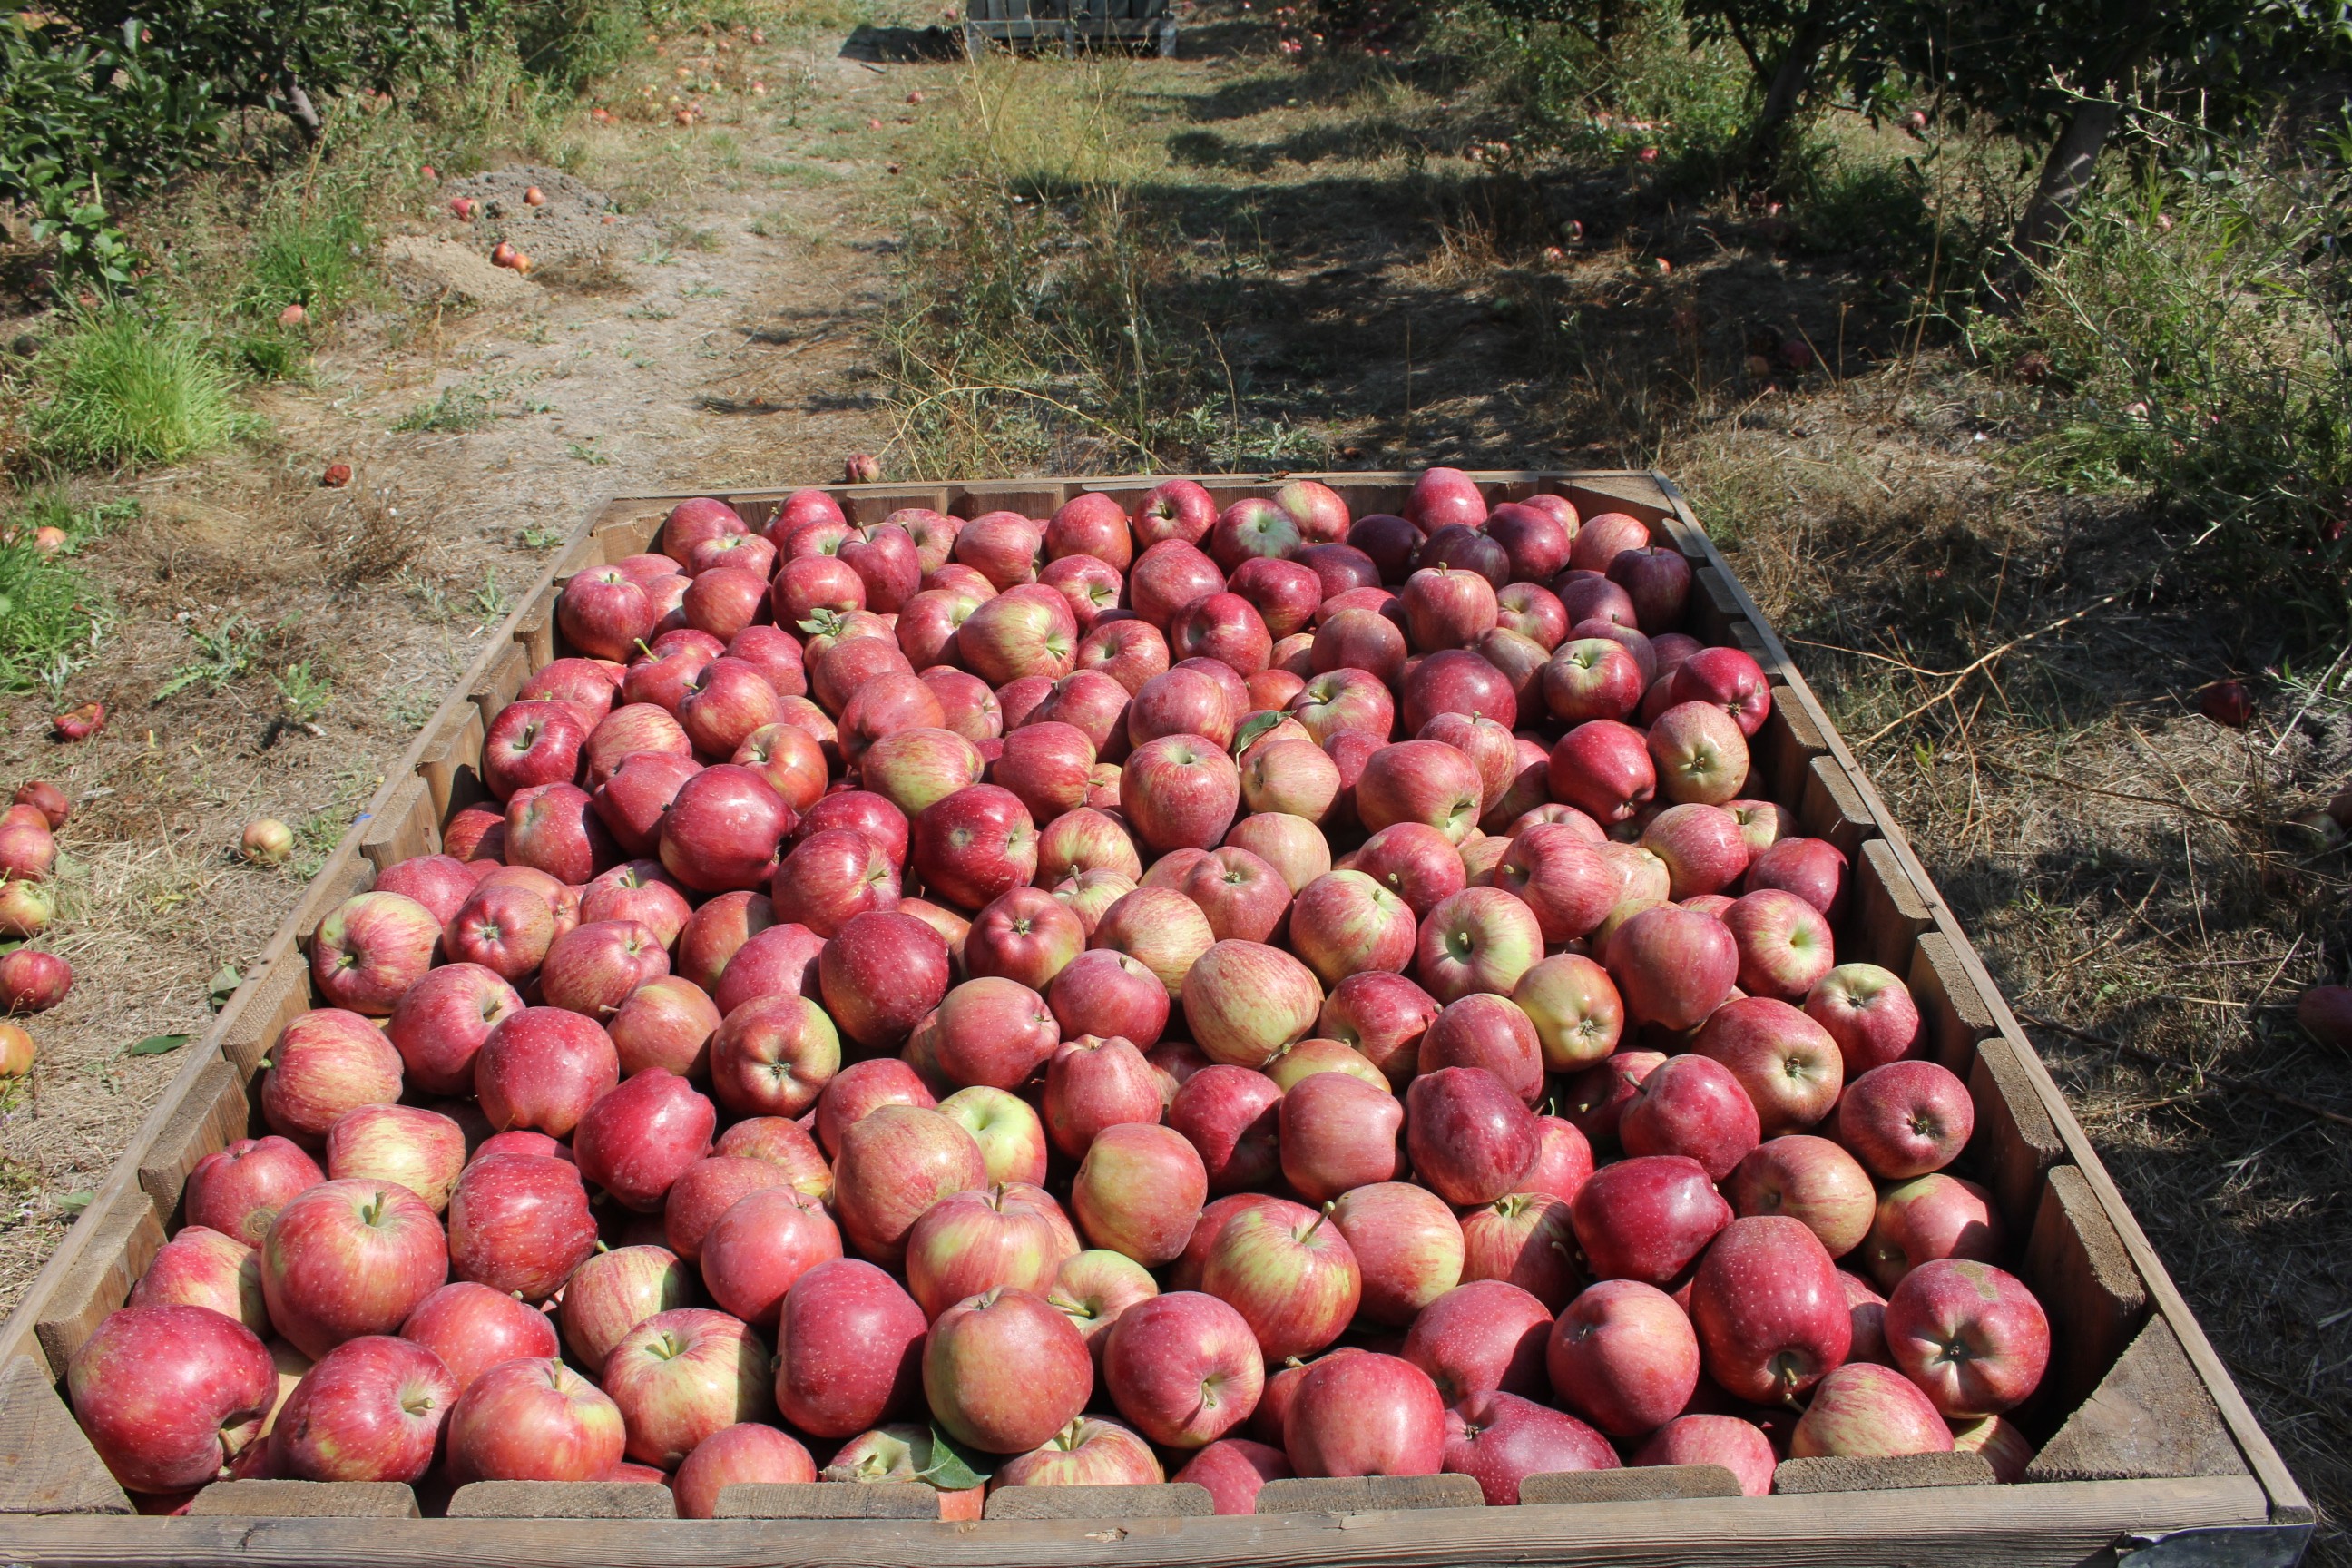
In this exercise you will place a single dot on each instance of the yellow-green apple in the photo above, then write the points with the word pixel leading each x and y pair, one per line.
pixel 1184 1367
pixel 519 1222
pixel 1094 1288
pixel 1869 1013
pixel 1971 1336
pixel 370 1409
pixel 1575 1009
pixel 347 1259
pixel 1770 1315
pixel 1810 868
pixel 1484 1030
pixel 327 1061
pixel 1382 1015
pixel 1603 769
pixel 1093 1083
pixel 683 1375
pixel 1108 994
pixel 1480 939
pixel 170 1395
pixel 1138 1191
pixel 1647 1217
pixel 916 769
pixel 1230 1117
pixel 1738 1445
pixel 1336 1132
pixel 880 975
pixel 1288 1271
pixel 239 1189
pixel 1525 1239
pixel 1906 1119
pixel 1807 1179
pixel 1499 1439
pixel 849 1349
pixel 1004 1371
pixel 1865 1411
pixel 543 1068
pixel 1179 790
pixel 1673 966
pixel 534 1421
pixel 748 1453
pixel 1695 1106
pixel 1624 1356
pixel 371 948
pixel 667 1022
pixel 472 1327
pixel 975 1241
pixel 1926 1218
pixel 1302 1059
pixel 203 1267
pixel 1408 1247
pixel 1244 1001
pixel 1456 680
pixel 615 1292
pixel 893 1163
pixel 421 1149
pixel 1011 1137
pixel 1729 679
pixel 1366 1415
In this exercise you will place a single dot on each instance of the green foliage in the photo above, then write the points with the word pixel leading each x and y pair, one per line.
pixel 224 653
pixel 123 387
pixel 2194 340
pixel 51 615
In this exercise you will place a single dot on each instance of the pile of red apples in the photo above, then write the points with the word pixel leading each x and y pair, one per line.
pixel 1199 996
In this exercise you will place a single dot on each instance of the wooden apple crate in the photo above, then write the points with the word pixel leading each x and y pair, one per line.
pixel 1073 23
pixel 2148 1457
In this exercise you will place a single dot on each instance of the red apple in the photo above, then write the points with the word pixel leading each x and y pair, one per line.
pixel 1366 1415
pixel 1288 1272
pixel 1094 1288
pixel 1738 1445
pixel 612 1292
pixel 1480 1337
pixel 372 1409
pixel 1092 1084
pixel 880 975
pixel 1159 927
pixel 1810 1180
pixel 1336 1132
pixel 1788 1064
pixel 1728 678
pixel 976 1241
pixel 682 1377
pixel 1447 608
pixel 1413 861
pixel 203 1267
pixel 170 1395
pixel 1603 768
pixel 1866 1411
pixel 1231 1116
pixel 1770 1314
pixel 1647 1217
pixel 1525 1239
pixel 1906 1119
pixel 722 830
pixel 371 948
pixel 1869 1013
pixel 238 1190
pixel 1927 1218
pixel 1184 1367
pixel 347 1259
pixel 1694 1106
pixel 747 1453
pixel 1003 546
pixel 421 1149
pixel 1456 680
pixel 1408 1247
pixel 1673 966
pixel 1244 1001
pixel 635 1142
pixel 642 891
pixel 1004 1371
pixel 1138 1191
pixel 1469 1134
pixel 543 1068
pixel 472 1327
pixel 1484 1030
pixel 533 1420
pixel 519 1224
pixel 326 1062
pixel 1234 1469
pixel 1971 1336
pixel 849 1349
pixel 1500 1439
pixel 1813 869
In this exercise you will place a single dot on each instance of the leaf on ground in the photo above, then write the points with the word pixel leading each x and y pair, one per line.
pixel 157 1046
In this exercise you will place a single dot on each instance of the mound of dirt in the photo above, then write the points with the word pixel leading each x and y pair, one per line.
pixel 576 223
pixel 424 268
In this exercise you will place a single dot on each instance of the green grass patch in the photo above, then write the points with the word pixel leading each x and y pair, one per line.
pixel 51 615
pixel 125 388
pixel 458 409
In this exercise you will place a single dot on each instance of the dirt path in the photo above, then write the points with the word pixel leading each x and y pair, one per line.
pixel 710 338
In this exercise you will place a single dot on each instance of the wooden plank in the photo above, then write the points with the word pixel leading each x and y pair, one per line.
pixel 1030 498
pixel 1368 1494
pixel 1887 913
pixel 404 826
pixel 1781 755
pixel 1168 1499
pixel 305 1499
pixel 826 1500
pixel 283 996
pixel 2150 1416
pixel 1713 609
pixel 1952 1014
pixel 117 1251
pixel 1831 808
pixel 500 677
pixel 2015 1144
pixel 2288 1503
pixel 46 1464
pixel 563 1500
pixel 1899 1472
pixel 1635 1483
pixel 452 769
pixel 2029 1527
pixel 2076 1266
pixel 212 1114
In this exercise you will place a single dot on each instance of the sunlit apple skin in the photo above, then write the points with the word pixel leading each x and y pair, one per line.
pixel 519 1222
pixel 635 1142
pixel 1408 1247
pixel 880 975
pixel 849 1348
pixel 1139 1192
pixel 1499 1439
pixel 421 1149
pixel 615 1292
pixel 972 1242
pixel 1480 1337
pixel 1906 1119
pixel 1788 1065
pixel 534 1421
pixel 1673 966
pixel 1869 1013
pixel 760 1248
pixel 1808 1179
pixel 894 1164
pixel 1865 1411
pixel 169 1394
pixel 328 1061
pixel 1770 1314
pixel 1246 1000
pixel 1183 1367
pixel 472 1327
pixel 1091 1084
pixel 369 1410
pixel 747 1453
pixel 1624 1356
pixel 1526 1239
pixel 1383 1016
pixel 203 1267
pixel 238 1190
pixel 1004 1371
pixel 347 1258
pixel 1011 1134
pixel 1646 1219
pixel 1971 1336
pixel 1234 1469
pixel 1366 1415
pixel 1335 1132
pixel 1469 1136
pixel 1739 1447
pixel 1232 1116
pixel 683 1375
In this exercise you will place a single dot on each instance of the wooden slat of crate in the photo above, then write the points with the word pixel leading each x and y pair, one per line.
pixel 1960 1527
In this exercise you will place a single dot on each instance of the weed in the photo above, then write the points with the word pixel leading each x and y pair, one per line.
pixel 792 172
pixel 703 291
pixel 431 600
pixel 537 537
pixel 460 408
pixel 489 601
pixel 51 618
pixel 224 653
pixel 121 388
pixel 409 706
pixel 586 452
pixel 307 250
pixel 683 236
pixel 304 694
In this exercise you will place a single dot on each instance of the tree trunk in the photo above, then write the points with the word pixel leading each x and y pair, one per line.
pixel 2074 157
pixel 1785 91
pixel 303 113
